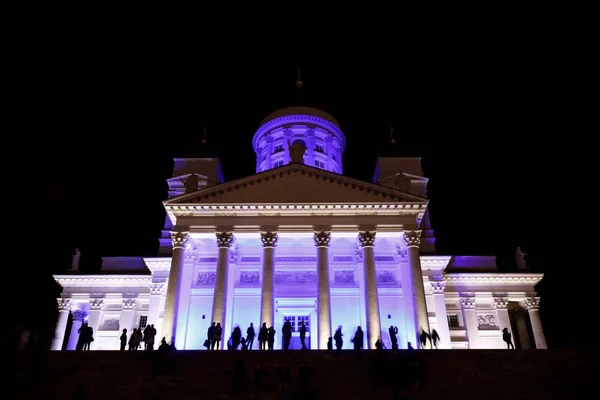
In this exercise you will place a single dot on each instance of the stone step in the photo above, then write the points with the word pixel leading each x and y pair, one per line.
pixel 471 374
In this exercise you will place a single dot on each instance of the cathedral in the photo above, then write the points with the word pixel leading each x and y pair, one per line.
pixel 298 241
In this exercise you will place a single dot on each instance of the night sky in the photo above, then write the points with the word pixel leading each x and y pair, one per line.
pixel 113 97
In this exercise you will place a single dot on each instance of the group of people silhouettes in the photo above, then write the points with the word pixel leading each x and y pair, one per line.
pixel 137 337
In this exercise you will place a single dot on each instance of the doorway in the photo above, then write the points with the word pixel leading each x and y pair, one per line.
pixel 296 321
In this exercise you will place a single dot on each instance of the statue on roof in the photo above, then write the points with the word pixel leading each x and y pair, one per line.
pixel 297 150
pixel 191 183
pixel 75 260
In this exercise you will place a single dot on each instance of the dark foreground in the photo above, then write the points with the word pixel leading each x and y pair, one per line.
pixel 181 375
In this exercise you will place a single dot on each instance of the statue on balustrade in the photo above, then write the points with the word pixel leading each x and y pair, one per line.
pixel 75 260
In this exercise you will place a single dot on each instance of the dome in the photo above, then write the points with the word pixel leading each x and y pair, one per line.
pixel 315 112
pixel 317 130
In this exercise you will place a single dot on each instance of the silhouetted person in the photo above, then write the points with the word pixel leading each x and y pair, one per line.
pixel 330 343
pixel 423 338
pixel 303 335
pixel 358 339
pixel 435 338
pixel 149 337
pixel 239 374
pixel 271 337
pixel 244 343
pixel 263 335
pixel 210 333
pixel 378 344
pixel 338 337
pixel 250 335
pixel 259 378
pixel 135 339
pixel 286 331
pixel 123 339
pixel 507 337
pixel 410 346
pixel 393 330
pixel 236 338
pixel 217 336
pixel 283 378
pixel 305 377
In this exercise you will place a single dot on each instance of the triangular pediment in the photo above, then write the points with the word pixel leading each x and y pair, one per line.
pixel 294 184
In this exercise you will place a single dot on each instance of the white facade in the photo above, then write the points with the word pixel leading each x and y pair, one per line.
pixel 306 244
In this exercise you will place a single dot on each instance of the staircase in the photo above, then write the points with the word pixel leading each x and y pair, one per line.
pixel 182 375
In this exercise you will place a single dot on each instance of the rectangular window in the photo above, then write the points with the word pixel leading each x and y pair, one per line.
pixel 319 148
pixel 292 321
pixel 143 321
pixel 453 321
pixel 278 148
pixel 278 164
pixel 306 320
pixel 319 164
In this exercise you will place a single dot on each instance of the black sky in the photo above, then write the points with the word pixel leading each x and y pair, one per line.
pixel 116 101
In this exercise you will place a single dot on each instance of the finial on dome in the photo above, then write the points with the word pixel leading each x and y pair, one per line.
pixel 299 81
pixel 392 140
pixel 204 136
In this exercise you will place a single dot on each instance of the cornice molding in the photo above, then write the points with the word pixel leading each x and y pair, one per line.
pixel 158 264
pixel 185 210
pixel 491 278
pixel 104 280
pixel 440 262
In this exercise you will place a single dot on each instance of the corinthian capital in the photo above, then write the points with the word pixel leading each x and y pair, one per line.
pixel 501 302
pixel 412 238
pixel 180 239
pixel 64 304
pixel 366 238
pixel 322 239
pixel 224 239
pixel 467 302
pixel 96 304
pixel 269 239
pixel 532 303
pixel 438 287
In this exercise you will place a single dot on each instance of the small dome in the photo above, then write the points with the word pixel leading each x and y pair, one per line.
pixel 315 112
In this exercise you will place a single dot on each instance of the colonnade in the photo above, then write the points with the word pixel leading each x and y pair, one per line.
pixel 322 240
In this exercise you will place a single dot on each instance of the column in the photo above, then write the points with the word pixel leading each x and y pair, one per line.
pixel 309 157
pixel 329 150
pixel 412 241
pixel 322 240
pixel 441 314
pixel 267 295
pixel 219 308
pixel 268 152
pixel 64 306
pixel 521 322
pixel 468 306
pixel 169 328
pixel 366 240
pixel 501 306
pixel 532 304
pixel 78 318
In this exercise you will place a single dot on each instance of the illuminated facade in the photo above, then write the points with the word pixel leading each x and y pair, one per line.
pixel 301 242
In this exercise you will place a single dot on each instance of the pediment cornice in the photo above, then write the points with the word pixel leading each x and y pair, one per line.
pixel 210 194
pixel 104 280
